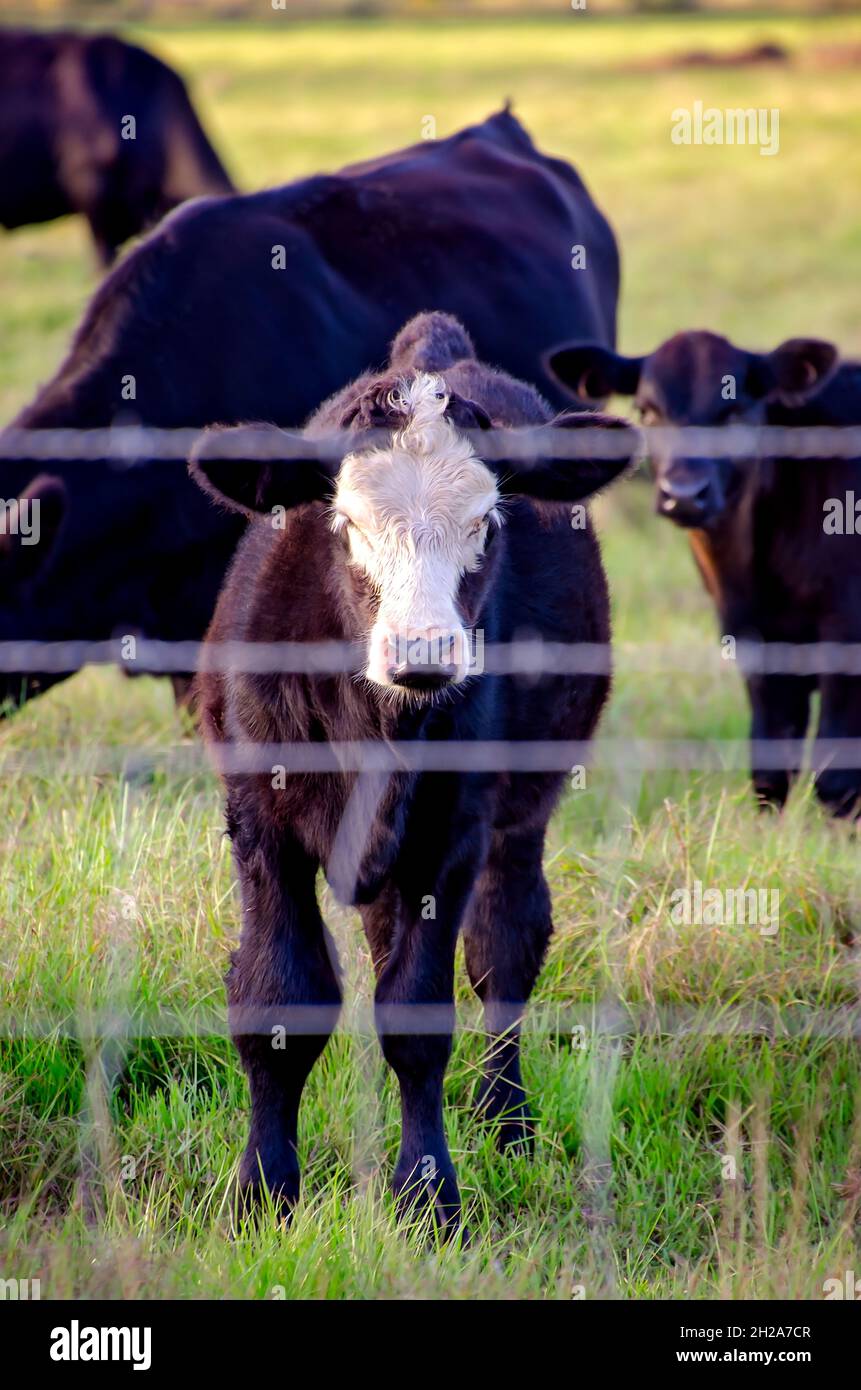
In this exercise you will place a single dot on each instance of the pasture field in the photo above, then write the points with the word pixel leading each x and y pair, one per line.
pixel 698 1091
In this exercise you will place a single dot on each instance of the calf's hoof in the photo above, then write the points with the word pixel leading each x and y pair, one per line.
pixel 423 1190
pixel 505 1108
pixel 262 1183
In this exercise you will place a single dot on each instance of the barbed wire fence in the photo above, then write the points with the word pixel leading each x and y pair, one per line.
pixel 130 445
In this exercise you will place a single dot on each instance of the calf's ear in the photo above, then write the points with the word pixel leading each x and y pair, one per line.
pixel 609 446
pixel 29 528
pixel 253 468
pixel 795 370
pixel 593 372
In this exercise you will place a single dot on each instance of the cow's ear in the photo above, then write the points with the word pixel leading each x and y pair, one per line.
pixel 253 468
pixel 793 372
pixel 29 528
pixel 608 447
pixel 593 372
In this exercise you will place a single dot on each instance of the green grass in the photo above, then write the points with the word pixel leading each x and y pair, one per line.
pixel 701 1044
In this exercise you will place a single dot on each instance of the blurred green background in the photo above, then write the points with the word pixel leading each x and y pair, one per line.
pixel 757 247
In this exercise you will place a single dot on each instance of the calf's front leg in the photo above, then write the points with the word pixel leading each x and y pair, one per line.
pixel 414 1007
pixel 505 938
pixel 283 996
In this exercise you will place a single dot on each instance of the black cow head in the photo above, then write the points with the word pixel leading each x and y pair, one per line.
pixel 29 527
pixel 697 378
pixel 121 549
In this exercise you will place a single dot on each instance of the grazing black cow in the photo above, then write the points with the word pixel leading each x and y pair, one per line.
pixel 402 549
pixel 91 124
pixel 761 529
pixel 204 325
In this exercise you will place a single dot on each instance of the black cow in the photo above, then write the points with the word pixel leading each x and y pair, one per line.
pixel 67 143
pixel 206 329
pixel 762 529
pixel 407 549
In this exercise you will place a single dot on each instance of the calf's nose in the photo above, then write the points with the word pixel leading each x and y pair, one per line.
pixel 427 676
pixel 426 661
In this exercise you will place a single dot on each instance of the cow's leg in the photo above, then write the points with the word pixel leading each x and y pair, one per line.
pixel 105 243
pixel 505 937
pixel 780 706
pixel 283 995
pixel 415 1019
pixel 838 788
pixel 111 221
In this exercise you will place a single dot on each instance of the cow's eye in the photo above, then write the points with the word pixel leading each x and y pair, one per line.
pixel 344 525
pixel 476 527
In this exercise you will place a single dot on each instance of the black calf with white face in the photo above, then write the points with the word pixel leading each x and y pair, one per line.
pixel 416 515
pixel 414 536
pixel 698 379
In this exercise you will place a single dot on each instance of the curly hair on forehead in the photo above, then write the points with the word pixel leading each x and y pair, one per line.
pixel 387 403
pixel 374 408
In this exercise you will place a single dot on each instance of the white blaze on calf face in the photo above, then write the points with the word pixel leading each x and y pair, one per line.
pixel 416 515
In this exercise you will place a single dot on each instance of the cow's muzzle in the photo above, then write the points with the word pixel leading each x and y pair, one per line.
pixel 420 662
pixel 423 678
pixel 688 499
